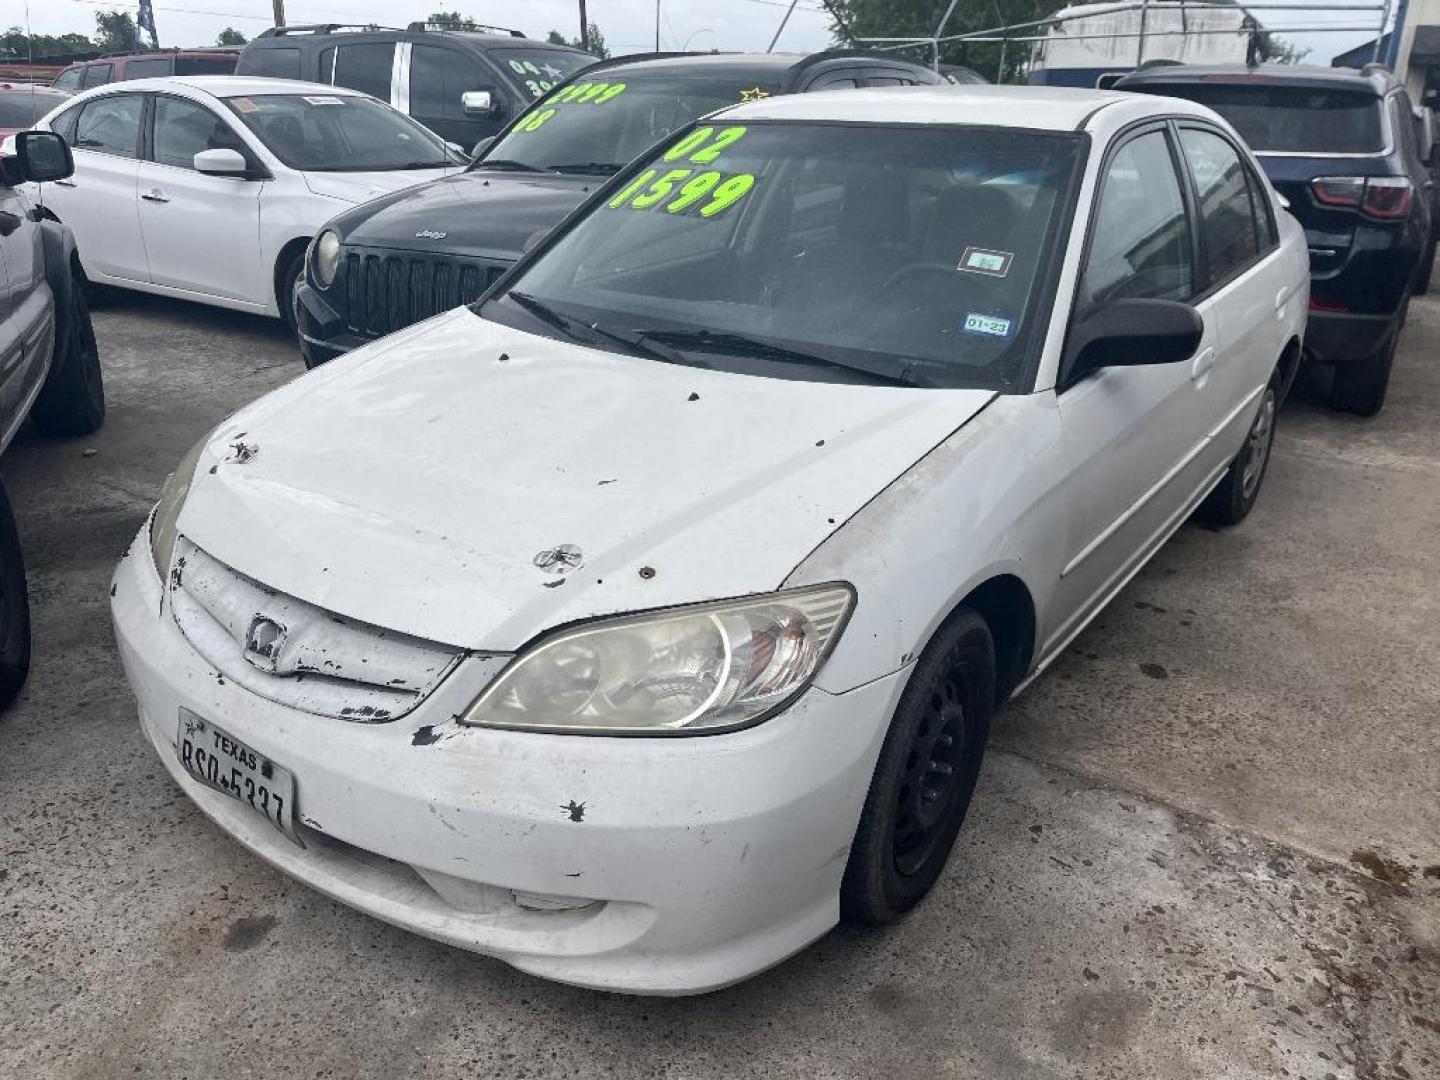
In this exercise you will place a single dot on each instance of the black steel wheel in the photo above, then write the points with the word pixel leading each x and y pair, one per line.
pixel 72 401
pixel 925 776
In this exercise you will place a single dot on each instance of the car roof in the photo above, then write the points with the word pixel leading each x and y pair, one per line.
pixel 226 86
pixel 1376 79
pixel 742 65
pixel 1041 108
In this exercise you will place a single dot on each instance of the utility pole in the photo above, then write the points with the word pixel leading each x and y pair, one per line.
pixel 279 6
pixel 584 27
pixel 657 25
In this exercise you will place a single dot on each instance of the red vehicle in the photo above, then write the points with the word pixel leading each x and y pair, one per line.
pixel 21 104
pixel 146 65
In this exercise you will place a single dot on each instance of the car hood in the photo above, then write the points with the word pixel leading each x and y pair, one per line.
pixel 485 214
pixel 414 483
pixel 358 187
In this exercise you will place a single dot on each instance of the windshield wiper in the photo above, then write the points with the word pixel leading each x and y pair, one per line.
pixel 636 344
pixel 507 163
pixel 598 168
pixel 743 345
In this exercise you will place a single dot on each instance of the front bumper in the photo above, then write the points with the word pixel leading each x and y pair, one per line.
pixel 705 860
pixel 322 329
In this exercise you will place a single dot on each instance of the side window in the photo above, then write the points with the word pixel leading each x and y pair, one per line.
pixel 64 124
pixel 327 65
pixel 885 80
pixel 183 129
pixel 96 75
pixel 1227 219
pixel 834 80
pixel 150 67
pixel 1402 121
pixel 1265 227
pixel 365 67
pixel 69 79
pixel 1140 244
pixel 283 63
pixel 110 125
pixel 437 79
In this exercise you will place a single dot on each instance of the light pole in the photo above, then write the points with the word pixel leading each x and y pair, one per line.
pixel 692 37
pixel 657 25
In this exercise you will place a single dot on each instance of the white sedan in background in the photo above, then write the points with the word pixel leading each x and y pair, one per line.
pixel 209 188
pixel 642 620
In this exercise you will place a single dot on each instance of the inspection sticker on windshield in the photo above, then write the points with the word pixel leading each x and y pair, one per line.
pixel 989 325
pixel 244 104
pixel 984 261
pixel 325 100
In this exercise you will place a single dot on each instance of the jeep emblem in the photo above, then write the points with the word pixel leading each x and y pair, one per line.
pixel 430 234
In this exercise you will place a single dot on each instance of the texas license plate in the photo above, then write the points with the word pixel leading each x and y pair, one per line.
pixel 216 758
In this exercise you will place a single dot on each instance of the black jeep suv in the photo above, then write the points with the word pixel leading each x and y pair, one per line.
pixel 1348 151
pixel 463 85
pixel 407 256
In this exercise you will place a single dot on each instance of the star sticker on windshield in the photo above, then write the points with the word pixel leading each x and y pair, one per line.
pixel 754 94
pixel 551 70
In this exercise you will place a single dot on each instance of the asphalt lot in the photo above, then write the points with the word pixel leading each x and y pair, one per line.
pixel 1206 843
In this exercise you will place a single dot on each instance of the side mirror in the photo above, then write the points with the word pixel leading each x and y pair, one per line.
pixel 41 156
pixel 481 146
pixel 480 103
pixel 1133 333
pixel 222 162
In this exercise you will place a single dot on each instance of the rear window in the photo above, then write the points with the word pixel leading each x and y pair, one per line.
pixel 204 65
pixel 21 109
pixel 1291 119
pixel 281 63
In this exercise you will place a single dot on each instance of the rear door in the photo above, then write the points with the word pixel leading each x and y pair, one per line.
pixel 1136 436
pixel 187 217
pixel 437 78
pixel 99 201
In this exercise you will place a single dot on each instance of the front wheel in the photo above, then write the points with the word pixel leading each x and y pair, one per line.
pixel 72 401
pixel 1234 497
pixel 286 288
pixel 926 775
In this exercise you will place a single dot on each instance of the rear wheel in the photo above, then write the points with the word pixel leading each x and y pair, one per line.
pixel 1234 497
pixel 926 775
pixel 14 608
pixel 1360 387
pixel 72 402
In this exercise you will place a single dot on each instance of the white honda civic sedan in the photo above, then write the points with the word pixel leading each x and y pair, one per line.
pixel 641 621
pixel 210 187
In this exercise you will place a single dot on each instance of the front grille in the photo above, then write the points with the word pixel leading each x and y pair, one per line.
pixel 310 659
pixel 387 291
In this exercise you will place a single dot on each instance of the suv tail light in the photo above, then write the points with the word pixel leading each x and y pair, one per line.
pixel 1385 197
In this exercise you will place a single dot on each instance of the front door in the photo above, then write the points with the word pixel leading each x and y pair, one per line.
pixel 202 232
pixel 1136 436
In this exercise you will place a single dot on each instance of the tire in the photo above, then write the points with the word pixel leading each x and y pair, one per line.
pixel 1360 387
pixel 912 811
pixel 72 401
pixel 14 608
pixel 1427 268
pixel 1235 496
pixel 286 284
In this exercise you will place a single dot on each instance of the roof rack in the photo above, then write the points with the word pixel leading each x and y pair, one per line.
pixel 320 28
pixel 430 27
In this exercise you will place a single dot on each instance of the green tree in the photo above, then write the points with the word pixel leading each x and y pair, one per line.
pixel 115 32
pixel 594 42
pixel 231 37
pixel 451 20
pixel 14 42
pixel 852 19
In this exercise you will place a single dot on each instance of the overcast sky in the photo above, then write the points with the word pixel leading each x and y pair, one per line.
pixel 629 25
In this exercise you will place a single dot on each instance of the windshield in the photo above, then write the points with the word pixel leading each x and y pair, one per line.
pixel 540 70
pixel 340 133
pixel 1291 119
pixel 601 126
pixel 857 253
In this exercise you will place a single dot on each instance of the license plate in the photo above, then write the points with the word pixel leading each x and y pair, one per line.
pixel 218 759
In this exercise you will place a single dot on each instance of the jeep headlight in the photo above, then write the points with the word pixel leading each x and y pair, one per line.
pixel 686 671
pixel 167 510
pixel 327 257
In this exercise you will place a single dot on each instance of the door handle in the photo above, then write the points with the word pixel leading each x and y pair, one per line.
pixel 154 196
pixel 65 183
pixel 1202 365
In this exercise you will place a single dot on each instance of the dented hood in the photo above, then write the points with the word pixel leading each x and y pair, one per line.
pixel 412 483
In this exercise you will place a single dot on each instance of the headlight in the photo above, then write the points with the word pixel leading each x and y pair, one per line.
pixel 327 257
pixel 688 671
pixel 167 510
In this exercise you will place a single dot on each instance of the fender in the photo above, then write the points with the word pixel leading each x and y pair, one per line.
pixel 58 245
